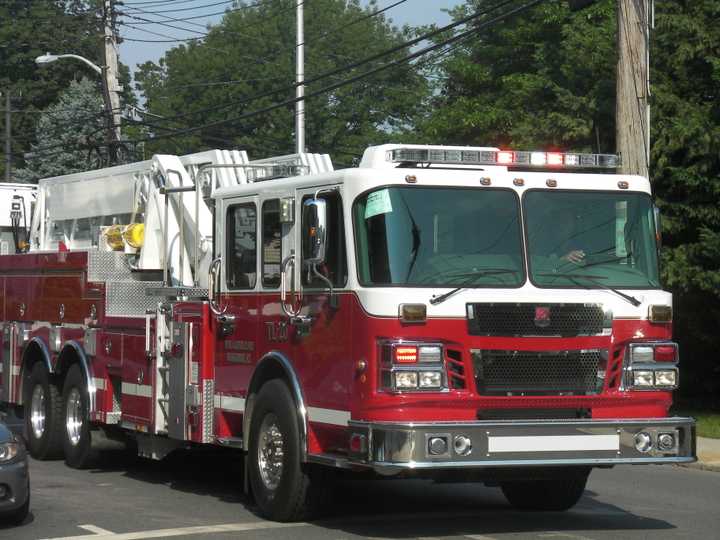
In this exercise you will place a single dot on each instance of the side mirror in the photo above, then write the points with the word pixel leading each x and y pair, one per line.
pixel 658 227
pixel 314 232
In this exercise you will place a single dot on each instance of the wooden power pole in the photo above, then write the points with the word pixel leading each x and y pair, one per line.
pixel 111 86
pixel 632 112
pixel 8 135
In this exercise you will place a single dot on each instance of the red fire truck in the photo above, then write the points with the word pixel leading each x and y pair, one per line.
pixel 458 313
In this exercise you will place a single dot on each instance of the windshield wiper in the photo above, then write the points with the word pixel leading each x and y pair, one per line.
pixel 478 273
pixel 595 279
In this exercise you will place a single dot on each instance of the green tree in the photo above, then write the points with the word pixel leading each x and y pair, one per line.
pixel 543 78
pixel 252 52
pixel 63 151
pixel 685 169
pixel 30 28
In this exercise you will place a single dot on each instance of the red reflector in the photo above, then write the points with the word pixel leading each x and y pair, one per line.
pixel 665 353
pixel 554 158
pixel 504 158
pixel 405 355
pixel 357 443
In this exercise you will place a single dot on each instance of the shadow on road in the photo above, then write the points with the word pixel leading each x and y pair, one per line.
pixel 381 507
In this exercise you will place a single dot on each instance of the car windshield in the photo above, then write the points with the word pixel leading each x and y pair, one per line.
pixel 590 239
pixel 429 236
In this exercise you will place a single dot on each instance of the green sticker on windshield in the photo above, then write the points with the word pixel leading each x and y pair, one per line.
pixel 378 203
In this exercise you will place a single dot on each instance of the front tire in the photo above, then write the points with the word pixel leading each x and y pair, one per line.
pixel 77 438
pixel 43 414
pixel 284 488
pixel 555 494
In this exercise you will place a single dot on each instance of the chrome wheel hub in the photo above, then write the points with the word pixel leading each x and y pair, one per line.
pixel 270 452
pixel 73 416
pixel 37 411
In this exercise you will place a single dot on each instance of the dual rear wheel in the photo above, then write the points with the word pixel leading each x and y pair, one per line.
pixel 58 424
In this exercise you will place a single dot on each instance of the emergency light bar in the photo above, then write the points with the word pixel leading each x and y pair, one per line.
pixel 508 158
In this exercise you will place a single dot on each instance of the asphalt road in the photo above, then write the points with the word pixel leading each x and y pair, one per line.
pixel 199 496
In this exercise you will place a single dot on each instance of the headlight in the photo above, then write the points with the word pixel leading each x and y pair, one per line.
pixel 666 377
pixel 406 379
pixel 8 451
pixel 643 378
pixel 430 379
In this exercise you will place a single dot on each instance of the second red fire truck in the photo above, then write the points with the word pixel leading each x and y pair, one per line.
pixel 459 313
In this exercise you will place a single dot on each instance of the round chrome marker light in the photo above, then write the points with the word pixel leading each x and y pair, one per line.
pixel 666 442
pixel 462 445
pixel 437 446
pixel 643 442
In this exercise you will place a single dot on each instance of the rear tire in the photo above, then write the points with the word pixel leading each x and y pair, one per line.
pixel 43 414
pixel 547 494
pixel 284 488
pixel 77 437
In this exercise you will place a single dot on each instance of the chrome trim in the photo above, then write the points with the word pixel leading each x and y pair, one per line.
pixel 55 338
pixel 208 414
pixel 295 388
pixel 43 349
pixel 89 379
pixel 90 341
pixel 394 447
pixel 389 467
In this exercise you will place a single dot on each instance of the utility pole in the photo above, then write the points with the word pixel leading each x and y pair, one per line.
pixel 111 87
pixel 300 80
pixel 632 111
pixel 8 135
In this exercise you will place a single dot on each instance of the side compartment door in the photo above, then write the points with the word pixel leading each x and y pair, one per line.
pixel 236 327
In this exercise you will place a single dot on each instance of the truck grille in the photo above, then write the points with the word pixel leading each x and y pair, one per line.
pixel 536 373
pixel 566 320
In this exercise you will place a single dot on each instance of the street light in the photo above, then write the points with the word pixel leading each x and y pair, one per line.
pixel 113 113
pixel 48 58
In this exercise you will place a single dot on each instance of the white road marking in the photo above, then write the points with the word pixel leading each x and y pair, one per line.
pixel 478 537
pixel 556 534
pixel 184 531
pixel 95 530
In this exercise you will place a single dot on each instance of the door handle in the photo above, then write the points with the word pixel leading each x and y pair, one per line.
pixel 213 280
pixel 291 309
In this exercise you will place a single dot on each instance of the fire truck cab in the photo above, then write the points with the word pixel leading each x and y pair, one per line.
pixel 460 313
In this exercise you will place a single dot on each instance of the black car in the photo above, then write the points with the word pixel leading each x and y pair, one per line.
pixel 14 478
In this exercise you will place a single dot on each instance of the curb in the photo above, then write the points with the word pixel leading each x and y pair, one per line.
pixel 700 466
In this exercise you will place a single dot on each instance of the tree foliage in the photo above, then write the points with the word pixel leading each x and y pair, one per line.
pixel 63 151
pixel 685 170
pixel 30 28
pixel 546 79
pixel 542 78
pixel 252 52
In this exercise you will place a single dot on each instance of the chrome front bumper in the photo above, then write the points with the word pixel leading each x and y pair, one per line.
pixel 390 448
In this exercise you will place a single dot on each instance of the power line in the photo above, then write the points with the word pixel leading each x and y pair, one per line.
pixel 350 66
pixel 250 6
pixel 346 82
pixel 313 41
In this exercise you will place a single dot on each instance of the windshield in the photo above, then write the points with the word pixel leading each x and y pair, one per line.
pixel 591 239
pixel 439 237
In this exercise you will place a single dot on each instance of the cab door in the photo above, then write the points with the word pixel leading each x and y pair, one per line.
pixel 321 344
pixel 236 322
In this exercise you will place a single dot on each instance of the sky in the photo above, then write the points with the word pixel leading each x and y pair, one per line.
pixel 412 12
